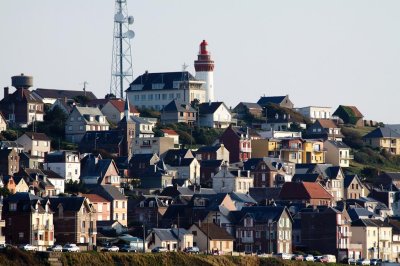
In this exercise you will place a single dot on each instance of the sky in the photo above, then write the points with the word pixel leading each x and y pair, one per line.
pixel 319 52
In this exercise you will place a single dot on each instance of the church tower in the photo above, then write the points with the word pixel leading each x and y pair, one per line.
pixel 127 128
pixel 204 67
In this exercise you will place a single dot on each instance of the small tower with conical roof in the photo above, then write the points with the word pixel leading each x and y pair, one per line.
pixel 127 128
pixel 204 67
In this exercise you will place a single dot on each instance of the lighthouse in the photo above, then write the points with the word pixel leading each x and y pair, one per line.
pixel 204 67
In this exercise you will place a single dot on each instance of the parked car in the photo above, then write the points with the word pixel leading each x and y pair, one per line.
pixel 127 248
pixel 283 256
pixel 110 248
pixel 318 258
pixel 309 257
pixel 298 257
pixel 28 247
pixel 363 262
pixel 329 258
pixel 216 252
pixel 375 261
pixel 159 249
pixel 349 261
pixel 70 248
pixel 55 248
pixel 194 250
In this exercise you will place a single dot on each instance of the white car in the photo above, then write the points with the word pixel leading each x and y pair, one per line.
pixel 55 248
pixel 111 248
pixel 28 247
pixel 309 257
pixel 70 248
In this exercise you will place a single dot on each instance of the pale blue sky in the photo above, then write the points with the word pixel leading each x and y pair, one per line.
pixel 319 52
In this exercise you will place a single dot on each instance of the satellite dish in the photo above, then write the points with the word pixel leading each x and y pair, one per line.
pixel 119 18
pixel 131 20
pixel 129 34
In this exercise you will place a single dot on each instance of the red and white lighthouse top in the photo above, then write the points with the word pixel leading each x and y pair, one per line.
pixel 203 62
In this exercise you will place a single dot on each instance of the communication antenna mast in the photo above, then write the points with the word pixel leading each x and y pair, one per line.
pixel 121 66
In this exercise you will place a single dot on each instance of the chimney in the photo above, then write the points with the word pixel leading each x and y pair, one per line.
pixel 65 99
pixel 6 91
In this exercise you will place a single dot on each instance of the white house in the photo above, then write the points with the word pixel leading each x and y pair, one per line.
pixel 56 180
pixel 83 119
pixel 170 133
pixel 170 238
pixel 36 144
pixel 187 168
pixel 337 153
pixel 64 163
pixel 215 115
pixel 315 112
pixel 228 180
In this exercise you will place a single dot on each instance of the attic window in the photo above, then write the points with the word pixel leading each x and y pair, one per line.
pixel 13 206
pixel 157 86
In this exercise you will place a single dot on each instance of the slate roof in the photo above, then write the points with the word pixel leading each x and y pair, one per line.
pixel 170 234
pixel 210 108
pixel 208 149
pixel 108 192
pixel 370 223
pixel 59 94
pixel 350 110
pixel 93 111
pixel 165 78
pixel 10 144
pixel 338 144
pixel 391 175
pixel 25 202
pixel 358 213
pixel 348 179
pixel 214 232
pixel 270 99
pixel 211 163
pixel 28 95
pixel 178 106
pixel 250 105
pixel 72 204
pixel 382 132
pixel 182 162
pixel 261 194
pixel 37 136
pixel 242 197
pixel 52 175
pixel 303 190
pixel 263 214
pixel 305 178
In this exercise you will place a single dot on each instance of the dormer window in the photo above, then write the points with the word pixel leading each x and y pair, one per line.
pixel 248 222
pixel 13 206
pixel 141 204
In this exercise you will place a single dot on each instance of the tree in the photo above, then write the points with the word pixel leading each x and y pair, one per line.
pixel 109 96
pixel 81 99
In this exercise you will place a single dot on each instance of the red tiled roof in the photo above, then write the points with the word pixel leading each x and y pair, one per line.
pixel 120 106
pixel 169 131
pixel 94 198
pixel 304 190
pixel 327 123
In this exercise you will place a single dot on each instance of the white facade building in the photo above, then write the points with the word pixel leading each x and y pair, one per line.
pixel 315 112
pixel 228 181
pixel 215 115
pixel 64 163
pixel 156 90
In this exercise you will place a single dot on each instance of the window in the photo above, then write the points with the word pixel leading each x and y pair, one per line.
pixel 164 96
pixel 143 97
pixel 258 234
pixel 13 206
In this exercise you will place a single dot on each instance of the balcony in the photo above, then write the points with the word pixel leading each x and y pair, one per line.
pixel 346 157
pixel 291 148
pixel 346 234
pixel 42 227
pixel 247 240
pixel 245 149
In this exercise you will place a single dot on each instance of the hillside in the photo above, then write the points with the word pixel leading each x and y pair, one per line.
pixel 17 257
pixel 367 161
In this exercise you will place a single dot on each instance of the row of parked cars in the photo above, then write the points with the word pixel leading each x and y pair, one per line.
pixel 299 257
pixel 75 248
pixel 363 261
